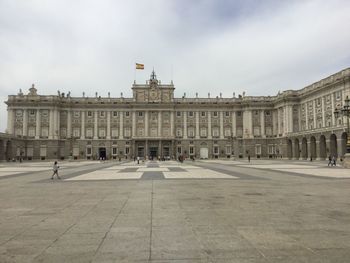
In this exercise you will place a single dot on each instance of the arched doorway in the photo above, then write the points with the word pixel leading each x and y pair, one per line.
pixel 296 149
pixel 289 149
pixel 304 148
pixel 333 151
pixel 344 139
pixel 313 154
pixel 323 151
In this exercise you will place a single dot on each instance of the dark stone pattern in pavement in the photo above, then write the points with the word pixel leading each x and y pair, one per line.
pixel 152 176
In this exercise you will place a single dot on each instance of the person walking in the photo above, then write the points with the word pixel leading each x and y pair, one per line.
pixel 249 158
pixel 334 161
pixel 329 160
pixel 138 159
pixel 55 170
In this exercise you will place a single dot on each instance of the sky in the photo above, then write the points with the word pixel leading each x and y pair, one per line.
pixel 217 46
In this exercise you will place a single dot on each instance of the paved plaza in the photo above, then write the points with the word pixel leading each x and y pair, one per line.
pixel 201 211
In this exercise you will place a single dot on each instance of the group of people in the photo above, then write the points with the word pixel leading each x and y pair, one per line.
pixel 332 161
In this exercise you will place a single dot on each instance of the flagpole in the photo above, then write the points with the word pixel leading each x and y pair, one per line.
pixel 135 73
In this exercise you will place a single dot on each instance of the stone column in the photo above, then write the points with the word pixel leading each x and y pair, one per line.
pixel 209 125
pixel 133 124
pixel 10 121
pixel 221 124
pixel 234 130
pixel 172 123
pixel 108 125
pixel 323 112
pixel 291 128
pixel 306 117
pixel 159 124
pixel 314 113
pixel 278 122
pixel 56 124
pixel 185 124
pixel 121 125
pixel 25 122
pixel 146 123
pixel 262 123
pixel 247 124
pixel 197 125
pixel 82 132
pixel 51 124
pixel 37 124
pixel 69 124
pixel 333 108
pixel 55 132
pixel 95 125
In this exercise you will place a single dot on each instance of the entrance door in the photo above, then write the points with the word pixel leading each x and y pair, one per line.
pixel 166 153
pixel 102 153
pixel 153 152
pixel 140 151
pixel 203 152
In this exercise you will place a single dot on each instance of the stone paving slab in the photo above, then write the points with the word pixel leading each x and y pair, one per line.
pixel 273 217
pixel 106 175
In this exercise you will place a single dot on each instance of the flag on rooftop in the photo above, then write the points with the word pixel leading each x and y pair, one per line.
pixel 140 66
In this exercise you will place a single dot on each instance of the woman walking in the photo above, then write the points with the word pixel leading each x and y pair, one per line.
pixel 55 170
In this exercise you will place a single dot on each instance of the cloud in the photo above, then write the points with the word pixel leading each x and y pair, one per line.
pixel 205 46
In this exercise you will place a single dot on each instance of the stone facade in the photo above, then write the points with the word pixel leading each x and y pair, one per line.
pixel 295 124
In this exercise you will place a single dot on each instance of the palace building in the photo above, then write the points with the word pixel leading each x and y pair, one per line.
pixel 294 124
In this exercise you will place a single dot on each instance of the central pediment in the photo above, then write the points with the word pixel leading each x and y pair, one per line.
pixel 153 91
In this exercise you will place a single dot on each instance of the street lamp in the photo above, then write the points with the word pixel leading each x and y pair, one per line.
pixel 345 112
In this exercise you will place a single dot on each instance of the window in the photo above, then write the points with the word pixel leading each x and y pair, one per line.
pixel 203 114
pixel 114 151
pixel 127 114
pixel 127 132
pixel 89 113
pixel 267 112
pixel 114 132
pixel 127 150
pixel 318 101
pixel 191 150
pixel 42 150
pixel 32 112
pixel 76 132
pixel 227 132
pixel 216 150
pixel 178 132
pixel 203 132
pixel 102 133
pixel 115 114
pixel 215 113
pixel 216 132
pixel 338 95
pixel 178 114
pixel 228 149
pixel 102 113
pixel 44 132
pixel 179 149
pixel 258 149
pixel 227 113
pixel 88 151
pixel 239 113
pixel 31 131
pixel 76 114
pixel 140 114
pixel 191 132
pixel 190 113
pixel 89 132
